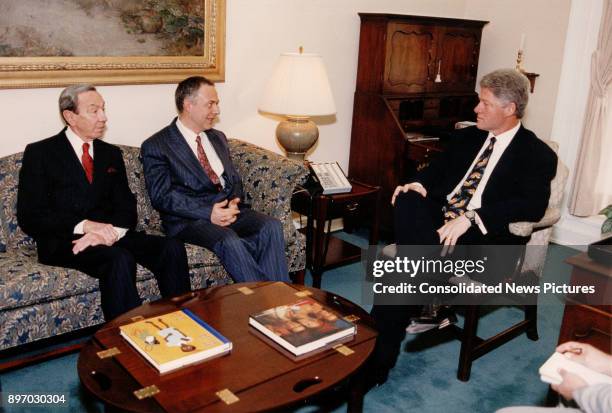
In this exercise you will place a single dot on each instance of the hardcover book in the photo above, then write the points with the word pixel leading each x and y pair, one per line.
pixel 303 327
pixel 175 340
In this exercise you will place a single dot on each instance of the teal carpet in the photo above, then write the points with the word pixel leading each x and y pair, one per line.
pixel 424 379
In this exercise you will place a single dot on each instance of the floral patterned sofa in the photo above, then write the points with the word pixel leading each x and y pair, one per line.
pixel 39 301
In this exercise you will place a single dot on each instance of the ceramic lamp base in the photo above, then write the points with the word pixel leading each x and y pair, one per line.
pixel 297 135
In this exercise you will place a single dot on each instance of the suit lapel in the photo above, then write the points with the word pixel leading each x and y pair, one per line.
pixel 71 162
pixel 179 148
pixel 219 146
pixel 469 147
pixel 100 163
pixel 506 166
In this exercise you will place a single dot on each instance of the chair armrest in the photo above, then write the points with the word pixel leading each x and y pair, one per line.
pixel 525 228
pixel 269 179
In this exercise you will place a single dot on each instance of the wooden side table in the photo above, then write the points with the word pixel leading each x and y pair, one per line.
pixel 323 250
pixel 583 321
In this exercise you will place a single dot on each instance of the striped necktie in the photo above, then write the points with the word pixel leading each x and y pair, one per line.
pixel 212 175
pixel 458 203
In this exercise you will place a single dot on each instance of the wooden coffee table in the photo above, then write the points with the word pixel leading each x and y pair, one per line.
pixel 257 374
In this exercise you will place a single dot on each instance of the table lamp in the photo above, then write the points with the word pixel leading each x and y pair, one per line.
pixel 298 89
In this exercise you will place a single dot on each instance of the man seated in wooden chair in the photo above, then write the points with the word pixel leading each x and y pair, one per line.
pixel 494 173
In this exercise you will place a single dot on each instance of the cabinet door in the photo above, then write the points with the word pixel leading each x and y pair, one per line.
pixel 456 61
pixel 409 57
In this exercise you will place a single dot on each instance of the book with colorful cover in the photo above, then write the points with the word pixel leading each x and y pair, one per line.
pixel 174 340
pixel 303 326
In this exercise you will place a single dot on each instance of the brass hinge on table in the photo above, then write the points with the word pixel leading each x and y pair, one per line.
pixel 111 352
pixel 351 318
pixel 344 350
pixel 146 392
pixel 227 396
pixel 245 290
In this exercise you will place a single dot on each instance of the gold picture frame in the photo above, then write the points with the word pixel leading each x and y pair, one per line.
pixel 25 71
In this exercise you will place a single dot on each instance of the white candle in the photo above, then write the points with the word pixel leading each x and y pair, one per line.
pixel 522 47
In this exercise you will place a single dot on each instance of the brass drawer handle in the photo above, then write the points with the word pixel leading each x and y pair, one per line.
pixel 584 333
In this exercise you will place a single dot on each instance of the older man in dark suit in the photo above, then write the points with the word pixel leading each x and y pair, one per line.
pixel 197 190
pixel 494 173
pixel 74 200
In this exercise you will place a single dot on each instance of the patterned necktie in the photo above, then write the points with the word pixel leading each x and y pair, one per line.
pixel 458 203
pixel 87 162
pixel 212 175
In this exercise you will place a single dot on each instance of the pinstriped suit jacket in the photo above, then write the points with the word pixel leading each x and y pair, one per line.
pixel 178 186
pixel 54 194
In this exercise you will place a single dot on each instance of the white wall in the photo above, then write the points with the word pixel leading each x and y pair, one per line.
pixel 256 33
pixel 544 23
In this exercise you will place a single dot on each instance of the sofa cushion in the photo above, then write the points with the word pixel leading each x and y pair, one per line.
pixel 148 217
pixel 269 180
pixel 24 282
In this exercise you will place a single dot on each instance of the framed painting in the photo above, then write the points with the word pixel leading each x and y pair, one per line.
pixel 108 42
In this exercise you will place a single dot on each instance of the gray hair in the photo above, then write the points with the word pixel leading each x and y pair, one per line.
pixel 69 98
pixel 510 86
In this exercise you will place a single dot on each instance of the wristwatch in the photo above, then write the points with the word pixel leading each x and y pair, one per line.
pixel 471 215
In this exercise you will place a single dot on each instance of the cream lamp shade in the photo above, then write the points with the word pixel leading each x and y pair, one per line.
pixel 298 88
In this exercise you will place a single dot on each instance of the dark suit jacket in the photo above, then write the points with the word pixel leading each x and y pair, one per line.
pixel 54 194
pixel 517 190
pixel 178 186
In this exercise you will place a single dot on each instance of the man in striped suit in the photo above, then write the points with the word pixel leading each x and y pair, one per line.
pixel 194 185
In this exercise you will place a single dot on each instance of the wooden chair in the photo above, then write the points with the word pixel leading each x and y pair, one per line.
pixel 530 264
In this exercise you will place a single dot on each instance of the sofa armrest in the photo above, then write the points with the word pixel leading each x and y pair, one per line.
pixel 269 179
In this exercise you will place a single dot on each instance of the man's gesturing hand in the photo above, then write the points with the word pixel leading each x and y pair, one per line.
pixel 106 231
pixel 225 213
pixel 408 187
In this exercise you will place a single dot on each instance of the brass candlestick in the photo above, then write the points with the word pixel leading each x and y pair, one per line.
pixel 519 60
pixel 519 68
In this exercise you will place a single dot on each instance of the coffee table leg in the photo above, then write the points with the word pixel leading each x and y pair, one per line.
pixel 356 392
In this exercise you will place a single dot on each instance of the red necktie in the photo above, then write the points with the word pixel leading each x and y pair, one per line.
pixel 206 164
pixel 87 162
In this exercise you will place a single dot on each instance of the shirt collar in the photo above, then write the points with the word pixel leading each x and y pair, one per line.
pixel 507 135
pixel 185 131
pixel 77 143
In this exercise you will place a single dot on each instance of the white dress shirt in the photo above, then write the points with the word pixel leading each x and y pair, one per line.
pixel 77 145
pixel 213 158
pixel 501 143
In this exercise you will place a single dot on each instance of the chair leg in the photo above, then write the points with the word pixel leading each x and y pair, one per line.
pixel 468 342
pixel 531 315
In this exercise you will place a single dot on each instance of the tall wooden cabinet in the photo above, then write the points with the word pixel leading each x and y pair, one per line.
pixel 415 74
